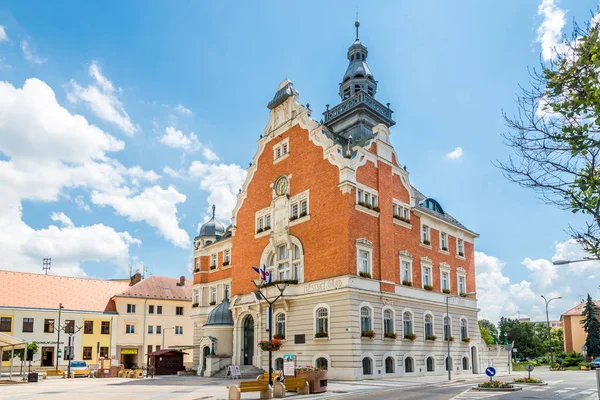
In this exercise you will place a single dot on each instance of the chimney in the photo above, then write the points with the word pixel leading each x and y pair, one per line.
pixel 182 281
pixel 136 278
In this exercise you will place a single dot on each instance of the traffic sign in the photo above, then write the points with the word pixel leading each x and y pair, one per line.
pixel 529 367
pixel 59 353
pixel 490 371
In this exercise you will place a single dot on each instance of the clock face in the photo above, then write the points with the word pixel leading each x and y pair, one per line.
pixel 281 186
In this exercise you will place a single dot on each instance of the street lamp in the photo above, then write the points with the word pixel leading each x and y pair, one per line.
pixel 548 321
pixel 564 262
pixel 448 366
pixel 60 307
pixel 260 284
pixel 163 336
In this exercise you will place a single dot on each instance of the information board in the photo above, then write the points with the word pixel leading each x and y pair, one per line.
pixel 234 372
pixel 289 365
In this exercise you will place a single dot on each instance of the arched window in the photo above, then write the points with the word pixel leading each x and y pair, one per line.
pixel 389 365
pixel 430 364
pixel 428 327
pixel 280 325
pixel 365 319
pixel 285 262
pixel 448 363
pixel 409 365
pixel 464 333
pixel 321 363
pixel 433 205
pixel 407 323
pixel 279 364
pixel 447 328
pixel 322 322
pixel 465 361
pixel 388 322
pixel 367 365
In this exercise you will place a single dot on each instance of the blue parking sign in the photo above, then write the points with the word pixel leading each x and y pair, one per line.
pixel 490 371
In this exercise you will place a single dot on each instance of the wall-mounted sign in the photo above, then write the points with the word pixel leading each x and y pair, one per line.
pixel 129 351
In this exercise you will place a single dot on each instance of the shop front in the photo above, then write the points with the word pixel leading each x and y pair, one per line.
pixel 129 357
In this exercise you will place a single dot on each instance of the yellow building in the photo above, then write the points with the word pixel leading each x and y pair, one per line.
pixel 573 334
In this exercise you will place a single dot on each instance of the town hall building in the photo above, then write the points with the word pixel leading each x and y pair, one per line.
pixel 329 205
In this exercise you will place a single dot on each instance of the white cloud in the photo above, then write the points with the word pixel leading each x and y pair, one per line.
pixel 544 271
pixel 549 34
pixel 174 173
pixel 29 53
pixel 455 154
pixel 82 204
pixel 155 206
pixel 178 140
pixel 137 174
pixel 222 182
pixel 63 219
pixel 209 154
pixel 183 110
pixel 3 34
pixel 103 99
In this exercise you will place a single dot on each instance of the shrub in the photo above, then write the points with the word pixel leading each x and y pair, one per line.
pixel 367 334
pixel 321 334
pixel 302 214
pixel 364 274
pixel 463 294
pixel 376 208
pixel 270 345
pixel 407 283
pixel 213 267
pixel 410 336
pixel 572 359
pixel 390 335
pixel 369 206
pixel 427 287
pixel 527 380
pixel 495 384
pixel 431 337
pixel 447 291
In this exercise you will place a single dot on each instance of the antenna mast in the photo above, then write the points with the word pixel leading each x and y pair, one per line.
pixel 46 264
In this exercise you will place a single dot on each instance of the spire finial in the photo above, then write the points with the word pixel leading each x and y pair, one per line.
pixel 357 24
pixel 213 207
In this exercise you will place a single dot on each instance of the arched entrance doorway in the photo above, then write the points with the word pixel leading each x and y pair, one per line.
pixel 474 360
pixel 205 353
pixel 248 340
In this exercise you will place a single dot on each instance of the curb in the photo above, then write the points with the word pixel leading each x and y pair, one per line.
pixel 530 384
pixel 512 389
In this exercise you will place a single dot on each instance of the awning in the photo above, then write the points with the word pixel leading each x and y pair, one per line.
pixel 8 343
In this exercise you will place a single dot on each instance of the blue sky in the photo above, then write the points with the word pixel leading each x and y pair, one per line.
pixel 147 75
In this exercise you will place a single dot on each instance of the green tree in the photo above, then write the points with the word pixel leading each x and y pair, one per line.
pixel 556 335
pixel 555 133
pixel 528 337
pixel 486 335
pixel 489 326
pixel 591 326
pixel 20 353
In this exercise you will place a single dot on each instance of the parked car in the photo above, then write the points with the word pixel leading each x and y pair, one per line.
pixel 595 364
pixel 80 368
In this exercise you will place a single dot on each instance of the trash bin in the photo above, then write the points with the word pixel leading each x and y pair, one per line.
pixel 32 377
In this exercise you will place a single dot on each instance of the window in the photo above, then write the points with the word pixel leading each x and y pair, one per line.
pixel 321 363
pixel 5 356
pixel 464 333
pixel 267 222
pixel 409 365
pixel 367 365
pixel 425 239
pixel 428 326
pixel 197 265
pixel 178 310
pixel 447 328
pixel 150 309
pixel 226 257
pixel 179 330
pixel 129 328
pixel 444 241
pixel 103 352
pixel 131 308
pixel 158 331
pixel 407 323
pixel 149 349
pixel 5 324
pixel 445 280
pixel 322 321
pixel 27 324
pixel 388 322
pixel 286 264
pixel 389 365
pixel 159 309
pixel 213 295
pixel 364 262
pixel 426 276
pixel 460 247
pixel 299 206
pixel 226 288
pixel 294 211
pixel 465 362
pixel 283 265
pixel 366 198
pixel 87 353
pixel 196 296
pixel 213 261
pixel 370 91
pixel 69 326
pixel 461 285
pixel 48 326
pixel 406 272
pixel 105 328
pixel 150 329
pixel 401 212
pixel 281 149
pixel 365 319
pixel 157 347
pixel 279 364
pixel 259 224
pixel 430 364
pixel 88 327
pixel 280 325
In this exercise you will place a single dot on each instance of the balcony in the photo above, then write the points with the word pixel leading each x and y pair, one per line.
pixel 360 99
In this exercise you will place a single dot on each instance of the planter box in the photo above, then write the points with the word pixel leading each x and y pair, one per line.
pixel 317 380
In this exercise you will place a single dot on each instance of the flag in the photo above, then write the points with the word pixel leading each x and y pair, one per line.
pixel 264 273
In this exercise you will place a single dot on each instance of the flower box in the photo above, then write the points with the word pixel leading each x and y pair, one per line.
pixel 316 378
pixel 279 337
pixel 431 337
pixel 270 345
pixel 293 218
pixel 213 267
pixel 451 339
pixel 212 303
pixel 428 287
pixel 461 254
pixel 364 274
pixel 225 263
pixel 259 230
pixel 407 283
pixel 195 305
pixel 447 291
pixel 463 294
pixel 367 334
pixel 376 209
pixel 426 242
pixel 410 336
pixel 303 214
pixel 390 335
pixel 466 340
pixel 444 249
pixel 321 335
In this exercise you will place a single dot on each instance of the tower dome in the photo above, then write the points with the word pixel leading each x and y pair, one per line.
pixel 212 227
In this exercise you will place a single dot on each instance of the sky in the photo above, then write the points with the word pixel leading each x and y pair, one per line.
pixel 121 126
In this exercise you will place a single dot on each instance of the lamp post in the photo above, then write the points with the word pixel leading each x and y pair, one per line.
pixel 448 367
pixel 71 345
pixel 260 284
pixel 60 307
pixel 548 321
pixel 564 262
pixel 163 336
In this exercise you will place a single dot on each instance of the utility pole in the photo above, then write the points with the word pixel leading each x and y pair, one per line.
pixel 46 264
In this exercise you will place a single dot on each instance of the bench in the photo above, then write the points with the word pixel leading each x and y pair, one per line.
pixel 262 386
pixel 265 377
pixel 298 384
pixel 54 372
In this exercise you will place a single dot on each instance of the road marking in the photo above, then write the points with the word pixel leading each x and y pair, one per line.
pixel 561 391
pixel 538 390
pixel 469 394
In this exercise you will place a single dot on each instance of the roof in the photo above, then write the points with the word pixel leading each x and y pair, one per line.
pixel 212 227
pixel 164 352
pixel 220 315
pixel 286 90
pixel 23 289
pixel 160 287
pixel 420 198
pixel 578 309
pixel 11 342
